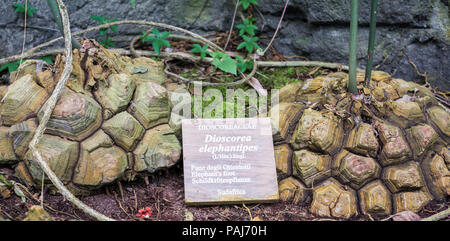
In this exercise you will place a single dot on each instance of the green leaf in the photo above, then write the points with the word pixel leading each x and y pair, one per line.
pixel 156 32
pixel 133 4
pixel 107 42
pixel 246 3
pixel 203 50
pixel 156 46
pixel 224 62
pixel 99 19
pixel 3 67
pixel 114 28
pixel 247 28
pixel 13 66
pixel 48 59
pixel 164 35
pixel 243 64
pixel 158 40
pixel 19 8
pixel 4 182
pixel 249 44
pixel 105 20
pixel 19 193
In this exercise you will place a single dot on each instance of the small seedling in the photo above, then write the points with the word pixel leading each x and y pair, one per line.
pixel 15 186
pixel 13 66
pixel 48 59
pixel 243 64
pixel 249 44
pixel 246 3
pixel 158 40
pixel 106 41
pixel 133 4
pixel 247 28
pixel 105 20
pixel 224 62
pixel 20 8
pixel 202 50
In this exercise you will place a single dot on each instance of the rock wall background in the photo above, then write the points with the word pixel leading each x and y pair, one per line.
pixel 315 29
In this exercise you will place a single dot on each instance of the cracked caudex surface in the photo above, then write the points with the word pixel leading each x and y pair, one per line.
pixel 382 155
pixel 110 105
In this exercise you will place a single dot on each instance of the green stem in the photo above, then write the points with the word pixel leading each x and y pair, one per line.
pixel 57 17
pixel 373 26
pixel 353 46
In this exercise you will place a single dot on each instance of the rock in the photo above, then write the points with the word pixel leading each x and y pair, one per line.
pixel 99 166
pixel 311 167
pixel 355 170
pixel 59 154
pixel 438 173
pixel 7 155
pixel 411 201
pixel 331 199
pixel 362 140
pixel 403 177
pixel 421 138
pixel 395 149
pixel 284 117
pixel 37 213
pixel 124 129
pixel 23 100
pixel 291 190
pixel 283 156
pixel 150 105
pixel 21 135
pixel 319 131
pixel 375 198
pixel 406 216
pixel 158 149
pixel 441 118
pixel 75 116
pixel 115 93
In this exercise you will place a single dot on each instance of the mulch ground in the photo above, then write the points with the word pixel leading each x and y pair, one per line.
pixel 165 196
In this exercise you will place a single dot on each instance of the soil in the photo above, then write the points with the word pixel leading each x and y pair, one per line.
pixel 164 194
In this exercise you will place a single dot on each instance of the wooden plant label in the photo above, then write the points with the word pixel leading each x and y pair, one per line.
pixel 228 161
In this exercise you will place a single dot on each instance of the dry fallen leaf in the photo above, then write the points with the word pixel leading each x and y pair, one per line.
pixel 257 218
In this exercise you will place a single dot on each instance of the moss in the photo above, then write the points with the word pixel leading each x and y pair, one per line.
pixel 270 78
pixel 276 78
